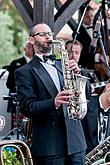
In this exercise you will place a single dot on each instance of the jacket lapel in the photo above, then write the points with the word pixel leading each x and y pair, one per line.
pixel 41 72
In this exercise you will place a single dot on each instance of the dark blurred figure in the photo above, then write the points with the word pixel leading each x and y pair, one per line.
pixel 85 38
pixel 101 69
pixel 15 64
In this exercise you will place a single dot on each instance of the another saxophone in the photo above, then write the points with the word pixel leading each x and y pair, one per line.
pixel 77 107
pixel 99 153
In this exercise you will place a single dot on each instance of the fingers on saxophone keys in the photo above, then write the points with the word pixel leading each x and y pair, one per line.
pixel 74 66
pixel 66 95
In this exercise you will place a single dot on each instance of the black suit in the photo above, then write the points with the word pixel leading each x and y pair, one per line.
pixel 53 132
pixel 90 123
pixel 15 64
pixel 86 59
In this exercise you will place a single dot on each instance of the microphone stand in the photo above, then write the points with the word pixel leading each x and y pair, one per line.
pixel 74 35
pixel 103 53
pixel 16 129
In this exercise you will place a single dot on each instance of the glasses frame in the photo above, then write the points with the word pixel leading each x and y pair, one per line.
pixel 43 34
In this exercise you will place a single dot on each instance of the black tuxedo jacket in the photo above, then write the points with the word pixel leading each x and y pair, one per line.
pixel 53 132
pixel 90 123
pixel 15 64
pixel 86 59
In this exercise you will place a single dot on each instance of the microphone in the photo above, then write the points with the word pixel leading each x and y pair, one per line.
pixel 93 46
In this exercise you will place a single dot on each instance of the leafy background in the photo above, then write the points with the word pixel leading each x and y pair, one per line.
pixel 13 33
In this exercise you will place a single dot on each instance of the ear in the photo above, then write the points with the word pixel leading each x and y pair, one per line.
pixel 108 86
pixel 31 40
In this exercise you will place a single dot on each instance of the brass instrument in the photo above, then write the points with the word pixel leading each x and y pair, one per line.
pixel 98 154
pixel 77 107
pixel 26 127
pixel 15 152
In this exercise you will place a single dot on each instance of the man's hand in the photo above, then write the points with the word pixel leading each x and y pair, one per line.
pixel 74 66
pixel 105 97
pixel 63 98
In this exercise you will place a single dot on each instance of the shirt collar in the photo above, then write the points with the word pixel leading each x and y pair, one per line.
pixel 42 60
pixel 27 58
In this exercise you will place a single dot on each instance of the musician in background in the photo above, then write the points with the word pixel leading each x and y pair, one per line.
pixel 96 118
pixel 74 50
pixel 85 37
pixel 100 66
pixel 15 64
pixel 74 53
pixel 96 124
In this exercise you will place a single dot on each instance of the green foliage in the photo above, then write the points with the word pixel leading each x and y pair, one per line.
pixel 11 157
pixel 97 1
pixel 13 33
pixel 7 49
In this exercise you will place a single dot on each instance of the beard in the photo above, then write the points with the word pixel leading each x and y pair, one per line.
pixel 44 47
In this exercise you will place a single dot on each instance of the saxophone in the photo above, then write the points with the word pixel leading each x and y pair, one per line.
pixel 77 107
pixel 99 153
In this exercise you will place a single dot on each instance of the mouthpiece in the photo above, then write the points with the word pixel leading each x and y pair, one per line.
pixel 50 42
pixel 55 41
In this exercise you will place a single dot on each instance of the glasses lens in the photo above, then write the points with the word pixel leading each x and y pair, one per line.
pixel 50 33
pixel 44 34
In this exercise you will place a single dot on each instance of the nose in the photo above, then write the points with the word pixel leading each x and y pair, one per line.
pixel 48 36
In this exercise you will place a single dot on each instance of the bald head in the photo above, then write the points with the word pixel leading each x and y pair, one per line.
pixel 40 36
pixel 28 50
pixel 39 28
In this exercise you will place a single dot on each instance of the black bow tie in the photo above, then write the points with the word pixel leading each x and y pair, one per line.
pixel 51 57
pixel 89 27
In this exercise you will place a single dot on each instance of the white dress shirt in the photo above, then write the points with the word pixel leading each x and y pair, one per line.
pixel 89 30
pixel 51 70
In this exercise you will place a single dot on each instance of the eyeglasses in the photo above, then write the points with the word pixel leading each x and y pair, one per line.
pixel 43 34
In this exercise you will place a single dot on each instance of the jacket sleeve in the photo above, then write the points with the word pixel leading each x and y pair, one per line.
pixel 31 103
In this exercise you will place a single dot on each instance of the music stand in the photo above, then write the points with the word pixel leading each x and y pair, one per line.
pixel 18 130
